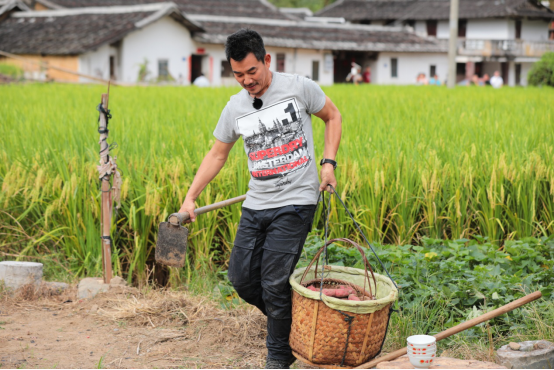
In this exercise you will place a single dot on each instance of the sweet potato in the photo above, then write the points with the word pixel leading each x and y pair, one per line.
pixel 349 289
pixel 329 292
pixel 340 293
pixel 313 288
pixel 353 297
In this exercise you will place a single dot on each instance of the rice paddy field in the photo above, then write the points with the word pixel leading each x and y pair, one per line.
pixel 415 163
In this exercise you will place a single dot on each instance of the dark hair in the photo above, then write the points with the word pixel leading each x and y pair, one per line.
pixel 242 42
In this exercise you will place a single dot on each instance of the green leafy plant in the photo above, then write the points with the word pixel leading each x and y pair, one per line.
pixel 542 72
pixel 460 276
pixel 12 71
pixel 143 72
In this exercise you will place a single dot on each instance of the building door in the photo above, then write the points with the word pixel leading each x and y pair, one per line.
pixel 343 63
pixel 518 74
pixel 195 66
pixel 112 67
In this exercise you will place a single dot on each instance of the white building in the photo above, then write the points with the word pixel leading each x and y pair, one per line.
pixel 169 42
pixel 502 35
pixel 136 40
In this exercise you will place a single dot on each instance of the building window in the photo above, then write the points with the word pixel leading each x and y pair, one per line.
pixel 226 70
pixel 365 21
pixel 431 28
pixel 518 30
pixel 394 67
pixel 163 68
pixel 518 74
pixel 280 62
pixel 315 70
pixel 432 71
pixel 462 27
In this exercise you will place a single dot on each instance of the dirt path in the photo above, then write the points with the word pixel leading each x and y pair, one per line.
pixel 128 329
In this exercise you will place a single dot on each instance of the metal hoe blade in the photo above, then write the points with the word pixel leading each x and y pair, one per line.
pixel 171 247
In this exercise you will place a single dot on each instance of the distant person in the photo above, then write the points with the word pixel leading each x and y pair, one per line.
pixel 201 81
pixel 354 74
pixel 422 79
pixel 367 75
pixel 435 80
pixel 475 80
pixel 496 81
pixel 486 79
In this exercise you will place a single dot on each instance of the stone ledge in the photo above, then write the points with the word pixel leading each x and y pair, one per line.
pixel 440 363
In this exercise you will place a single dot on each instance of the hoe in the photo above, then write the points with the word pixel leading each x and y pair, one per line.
pixel 171 247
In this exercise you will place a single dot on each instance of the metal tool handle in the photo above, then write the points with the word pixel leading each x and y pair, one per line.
pixel 179 218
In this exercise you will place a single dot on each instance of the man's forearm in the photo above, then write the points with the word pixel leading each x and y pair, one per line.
pixel 210 167
pixel 333 131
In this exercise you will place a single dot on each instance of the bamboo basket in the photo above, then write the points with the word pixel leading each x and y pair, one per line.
pixel 333 333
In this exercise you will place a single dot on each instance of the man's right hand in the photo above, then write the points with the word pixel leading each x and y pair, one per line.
pixel 188 206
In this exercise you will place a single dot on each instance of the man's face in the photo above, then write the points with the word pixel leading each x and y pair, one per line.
pixel 252 74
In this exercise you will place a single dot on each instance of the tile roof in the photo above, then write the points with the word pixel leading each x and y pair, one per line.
pixel 356 10
pixel 308 35
pixel 75 31
pixel 243 8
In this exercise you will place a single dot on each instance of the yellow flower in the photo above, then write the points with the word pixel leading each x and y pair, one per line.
pixel 509 258
pixel 430 255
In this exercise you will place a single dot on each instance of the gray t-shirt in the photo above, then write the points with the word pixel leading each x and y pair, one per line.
pixel 278 141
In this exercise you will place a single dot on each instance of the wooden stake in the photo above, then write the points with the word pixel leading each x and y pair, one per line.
pixel 106 195
pixel 460 327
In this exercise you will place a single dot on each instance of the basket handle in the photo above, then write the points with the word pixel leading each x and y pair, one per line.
pixel 366 263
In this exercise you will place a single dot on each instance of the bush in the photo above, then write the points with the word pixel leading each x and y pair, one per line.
pixel 11 71
pixel 542 72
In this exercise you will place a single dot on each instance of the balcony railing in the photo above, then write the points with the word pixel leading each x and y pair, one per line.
pixel 504 48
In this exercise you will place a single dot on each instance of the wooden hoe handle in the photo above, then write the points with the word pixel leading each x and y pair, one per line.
pixel 179 218
pixel 460 327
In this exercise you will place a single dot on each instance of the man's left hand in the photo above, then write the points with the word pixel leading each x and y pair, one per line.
pixel 327 178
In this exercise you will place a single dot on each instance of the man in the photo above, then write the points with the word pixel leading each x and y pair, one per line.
pixel 435 80
pixel 273 115
pixel 367 75
pixel 201 81
pixel 496 80
pixel 354 74
pixel 486 79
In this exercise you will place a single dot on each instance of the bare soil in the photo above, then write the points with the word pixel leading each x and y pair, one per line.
pixel 125 328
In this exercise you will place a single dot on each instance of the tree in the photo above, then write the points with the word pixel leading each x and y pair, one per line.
pixel 542 72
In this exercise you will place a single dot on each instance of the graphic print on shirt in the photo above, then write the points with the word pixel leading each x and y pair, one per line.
pixel 275 140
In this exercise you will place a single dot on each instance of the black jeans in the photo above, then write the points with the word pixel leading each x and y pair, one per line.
pixel 267 247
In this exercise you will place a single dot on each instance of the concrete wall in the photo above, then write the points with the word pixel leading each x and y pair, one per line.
pixel 33 71
pixel 490 29
pixel 443 30
pixel 297 61
pixel 525 68
pixel 164 39
pixel 95 63
pixel 409 66
pixel 421 28
pixel 534 30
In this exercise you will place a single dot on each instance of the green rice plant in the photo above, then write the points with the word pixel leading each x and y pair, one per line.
pixel 415 162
